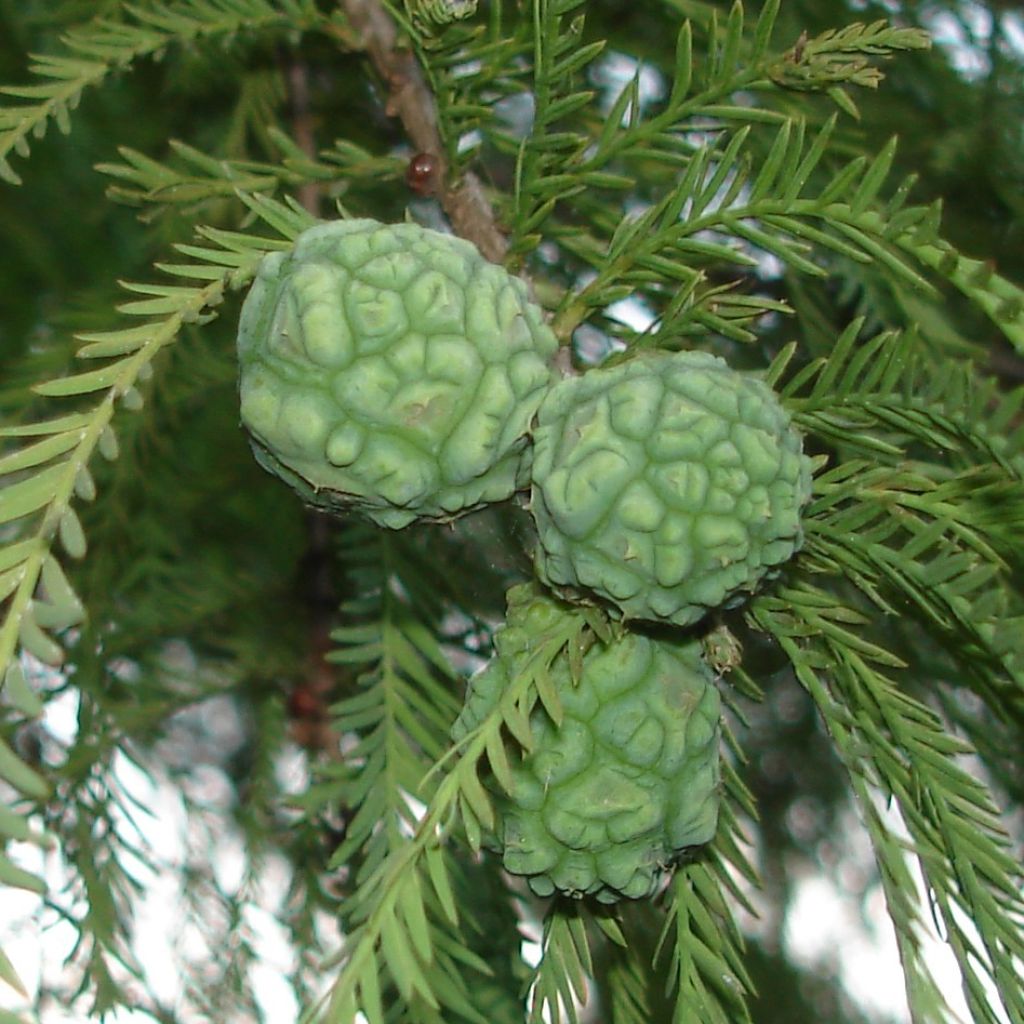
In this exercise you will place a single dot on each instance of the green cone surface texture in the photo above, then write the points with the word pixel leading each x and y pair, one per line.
pixel 667 485
pixel 392 370
pixel 608 799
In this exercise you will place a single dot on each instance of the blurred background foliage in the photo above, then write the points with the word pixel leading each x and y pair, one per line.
pixel 206 589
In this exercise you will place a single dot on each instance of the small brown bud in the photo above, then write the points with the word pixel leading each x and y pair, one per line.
pixel 422 174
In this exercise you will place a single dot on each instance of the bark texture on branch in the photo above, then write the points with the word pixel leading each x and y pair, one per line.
pixel 411 100
pixel 310 698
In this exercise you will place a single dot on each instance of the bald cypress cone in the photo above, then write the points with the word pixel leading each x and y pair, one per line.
pixel 391 370
pixel 665 486
pixel 611 796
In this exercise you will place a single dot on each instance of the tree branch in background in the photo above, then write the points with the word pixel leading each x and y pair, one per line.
pixel 411 100
pixel 308 702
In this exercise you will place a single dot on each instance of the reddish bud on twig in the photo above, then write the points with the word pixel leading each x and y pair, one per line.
pixel 422 173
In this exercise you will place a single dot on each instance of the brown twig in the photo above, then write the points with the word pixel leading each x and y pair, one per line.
pixel 410 99
pixel 310 192
pixel 308 701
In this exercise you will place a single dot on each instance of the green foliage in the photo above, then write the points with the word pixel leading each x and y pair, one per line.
pixel 98 48
pixel 735 175
pixel 193 180
pixel 896 747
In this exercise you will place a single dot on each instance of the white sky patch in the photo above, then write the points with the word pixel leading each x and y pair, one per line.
pixel 591 346
pixel 824 927
pixel 531 952
pixel 231 863
pixel 978 19
pixel 60 719
pixel 892 6
pixel 158 924
pixel 1013 30
pixel 964 53
pixel 769 266
pixel 516 113
pixel 417 808
pixel 631 312
pixel 470 140
pixel 292 771
pixel 276 955
pixel 616 71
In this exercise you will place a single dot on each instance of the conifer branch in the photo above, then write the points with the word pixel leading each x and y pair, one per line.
pixel 410 98
pixel 924 996
pixel 900 616
pixel 701 943
pixel 560 980
pixel 1000 299
pixel 73 441
pixel 387 883
pixel 872 397
pixel 896 744
pixel 550 175
pixel 44 478
pixel 628 984
pixel 193 178
pixel 402 921
pixel 59 462
pixel 101 47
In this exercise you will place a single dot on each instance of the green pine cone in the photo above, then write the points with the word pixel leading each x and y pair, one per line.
pixel 608 799
pixel 391 370
pixel 666 485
